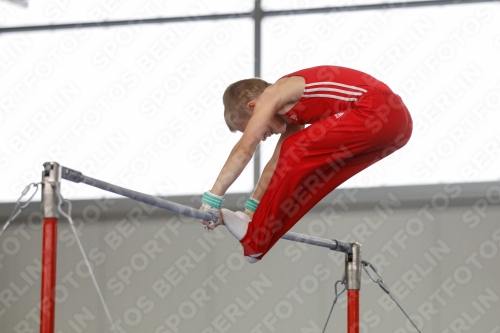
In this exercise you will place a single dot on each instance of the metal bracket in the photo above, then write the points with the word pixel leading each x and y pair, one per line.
pixel 51 175
pixel 353 267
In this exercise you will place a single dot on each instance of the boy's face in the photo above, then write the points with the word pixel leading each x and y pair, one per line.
pixel 242 125
pixel 276 126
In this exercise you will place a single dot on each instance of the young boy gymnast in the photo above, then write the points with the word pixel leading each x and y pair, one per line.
pixel 355 121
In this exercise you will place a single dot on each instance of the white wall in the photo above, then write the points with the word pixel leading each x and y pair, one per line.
pixel 436 248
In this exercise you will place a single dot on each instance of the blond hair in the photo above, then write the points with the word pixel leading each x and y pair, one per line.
pixel 236 98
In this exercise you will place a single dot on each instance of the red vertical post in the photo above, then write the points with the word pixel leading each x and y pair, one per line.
pixel 353 311
pixel 353 285
pixel 50 179
pixel 49 257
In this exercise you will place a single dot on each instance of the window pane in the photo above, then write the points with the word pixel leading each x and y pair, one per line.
pixel 443 61
pixel 41 12
pixel 305 4
pixel 140 106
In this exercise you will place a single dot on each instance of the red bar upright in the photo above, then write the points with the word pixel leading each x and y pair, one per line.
pixel 353 311
pixel 49 254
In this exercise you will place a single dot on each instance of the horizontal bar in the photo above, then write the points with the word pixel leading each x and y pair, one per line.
pixel 334 245
pixel 78 177
pixel 213 17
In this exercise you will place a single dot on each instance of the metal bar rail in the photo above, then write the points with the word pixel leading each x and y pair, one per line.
pixel 78 177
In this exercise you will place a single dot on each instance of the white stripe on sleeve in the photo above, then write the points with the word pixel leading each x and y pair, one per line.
pixel 333 90
pixel 329 96
pixel 335 84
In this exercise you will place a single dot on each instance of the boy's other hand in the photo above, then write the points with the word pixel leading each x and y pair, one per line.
pixel 215 211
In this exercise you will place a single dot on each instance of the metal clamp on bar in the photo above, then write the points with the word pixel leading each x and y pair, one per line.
pixel 353 267
pixel 333 245
pixel 50 175
pixel 343 246
pixel 72 175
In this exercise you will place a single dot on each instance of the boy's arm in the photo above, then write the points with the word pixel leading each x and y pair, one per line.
pixel 268 171
pixel 271 100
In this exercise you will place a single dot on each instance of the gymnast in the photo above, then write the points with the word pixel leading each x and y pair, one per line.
pixel 354 121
